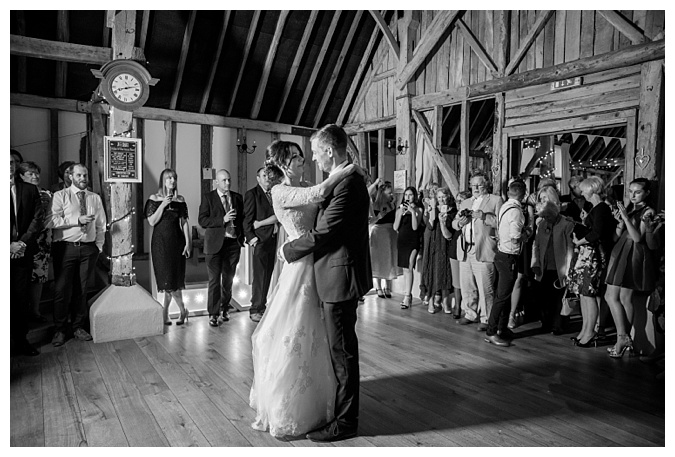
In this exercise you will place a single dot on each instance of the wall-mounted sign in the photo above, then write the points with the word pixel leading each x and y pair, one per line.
pixel 400 180
pixel 566 83
pixel 123 159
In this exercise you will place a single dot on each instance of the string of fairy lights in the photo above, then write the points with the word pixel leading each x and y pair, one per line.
pixel 127 256
pixel 581 165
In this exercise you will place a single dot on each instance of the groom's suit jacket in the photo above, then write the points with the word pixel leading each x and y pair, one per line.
pixel 339 243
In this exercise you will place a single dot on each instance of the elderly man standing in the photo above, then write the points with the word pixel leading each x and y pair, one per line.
pixel 477 219
pixel 78 221
pixel 221 213
pixel 261 234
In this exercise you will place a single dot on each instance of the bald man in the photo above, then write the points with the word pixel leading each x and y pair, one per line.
pixel 221 213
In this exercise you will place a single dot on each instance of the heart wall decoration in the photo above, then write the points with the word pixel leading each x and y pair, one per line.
pixel 642 160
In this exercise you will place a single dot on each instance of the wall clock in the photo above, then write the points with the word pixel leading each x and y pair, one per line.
pixel 125 84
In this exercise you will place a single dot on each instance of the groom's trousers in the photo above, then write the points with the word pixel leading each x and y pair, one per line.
pixel 340 321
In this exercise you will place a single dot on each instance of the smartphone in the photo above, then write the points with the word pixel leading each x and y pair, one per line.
pixel 443 208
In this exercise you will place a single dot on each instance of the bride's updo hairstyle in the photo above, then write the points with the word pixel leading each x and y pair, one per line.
pixel 277 158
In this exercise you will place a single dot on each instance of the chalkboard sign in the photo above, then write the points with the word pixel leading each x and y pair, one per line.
pixel 123 159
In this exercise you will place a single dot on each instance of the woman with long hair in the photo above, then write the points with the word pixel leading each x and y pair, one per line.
pixel 408 223
pixel 592 247
pixel 437 267
pixel 383 240
pixel 167 212
pixel 632 264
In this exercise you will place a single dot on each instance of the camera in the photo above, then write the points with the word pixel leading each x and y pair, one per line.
pixel 466 212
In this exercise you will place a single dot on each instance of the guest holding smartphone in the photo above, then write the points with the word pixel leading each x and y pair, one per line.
pixel 407 223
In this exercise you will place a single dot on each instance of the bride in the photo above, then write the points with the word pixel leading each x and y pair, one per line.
pixel 294 384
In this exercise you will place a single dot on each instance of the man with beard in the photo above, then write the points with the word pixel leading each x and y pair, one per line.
pixel 78 221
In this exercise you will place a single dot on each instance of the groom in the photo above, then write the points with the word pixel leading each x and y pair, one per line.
pixel 342 268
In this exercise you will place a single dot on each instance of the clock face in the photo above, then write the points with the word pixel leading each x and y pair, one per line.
pixel 126 88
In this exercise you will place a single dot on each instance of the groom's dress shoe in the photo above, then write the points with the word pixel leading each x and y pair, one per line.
pixel 332 432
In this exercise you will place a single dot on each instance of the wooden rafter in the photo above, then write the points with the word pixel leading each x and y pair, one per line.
pixel 247 49
pixel 436 31
pixel 214 63
pixel 283 15
pixel 502 28
pixel 145 22
pixel 338 66
pixel 447 172
pixel 62 34
pixel 317 65
pixel 384 27
pixel 296 61
pixel 526 43
pixel 624 26
pixel 66 52
pixel 21 61
pixel 477 47
pixel 183 58
pixel 357 76
pixel 106 33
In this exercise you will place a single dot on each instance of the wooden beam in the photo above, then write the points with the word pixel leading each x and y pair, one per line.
pixel 247 49
pixel 363 149
pixel 437 137
pixel 503 30
pixel 650 136
pixel 384 27
pixel 624 26
pixel 357 77
pixel 525 44
pixel 408 27
pixel 214 63
pixel 477 47
pixel 283 15
pixel 296 61
pixel 160 114
pixel 432 35
pixel 145 22
pixel 371 125
pixel 66 52
pixel 106 32
pixel 627 57
pixel 62 34
pixel 206 157
pixel 338 66
pixel 317 65
pixel 448 174
pixel 183 57
pixel 381 153
pixel 20 60
pixel 54 155
pixel 464 129
pixel 499 145
pixel 169 144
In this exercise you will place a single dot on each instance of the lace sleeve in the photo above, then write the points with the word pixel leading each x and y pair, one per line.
pixel 290 197
pixel 150 207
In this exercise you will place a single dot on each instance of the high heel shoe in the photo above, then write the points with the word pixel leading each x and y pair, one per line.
pixel 183 317
pixel 387 292
pixel 591 342
pixel 628 345
pixel 167 322
pixel 407 301
pixel 380 293
pixel 574 339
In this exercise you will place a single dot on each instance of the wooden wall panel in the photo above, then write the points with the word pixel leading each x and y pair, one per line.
pixel 443 65
pixel 489 39
pixel 539 49
pixel 514 42
pixel 531 53
pixel 549 42
pixel 480 34
pixel 572 35
pixel 466 66
pixel 559 51
pixel 522 30
pixel 587 33
pixel 475 62
pixel 623 39
pixel 458 59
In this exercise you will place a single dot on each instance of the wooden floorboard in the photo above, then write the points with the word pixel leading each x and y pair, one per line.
pixel 425 382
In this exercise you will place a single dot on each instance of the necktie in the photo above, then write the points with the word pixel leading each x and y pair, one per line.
pixel 15 233
pixel 229 227
pixel 83 209
pixel 268 194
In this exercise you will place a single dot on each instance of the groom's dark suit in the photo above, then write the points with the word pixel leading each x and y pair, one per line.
pixel 342 267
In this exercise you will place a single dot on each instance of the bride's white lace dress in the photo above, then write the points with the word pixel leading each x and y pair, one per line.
pixel 294 385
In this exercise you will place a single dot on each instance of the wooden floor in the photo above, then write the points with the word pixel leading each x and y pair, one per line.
pixel 425 381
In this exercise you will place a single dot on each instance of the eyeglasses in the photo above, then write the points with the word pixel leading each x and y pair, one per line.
pixel 474 186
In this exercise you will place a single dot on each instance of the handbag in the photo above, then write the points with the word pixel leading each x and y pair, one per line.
pixel 570 304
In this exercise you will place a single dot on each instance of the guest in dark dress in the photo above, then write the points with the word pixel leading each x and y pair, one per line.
pixel 632 265
pixel 428 199
pixel 167 212
pixel 592 247
pixel 436 266
pixel 383 240
pixel 407 223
